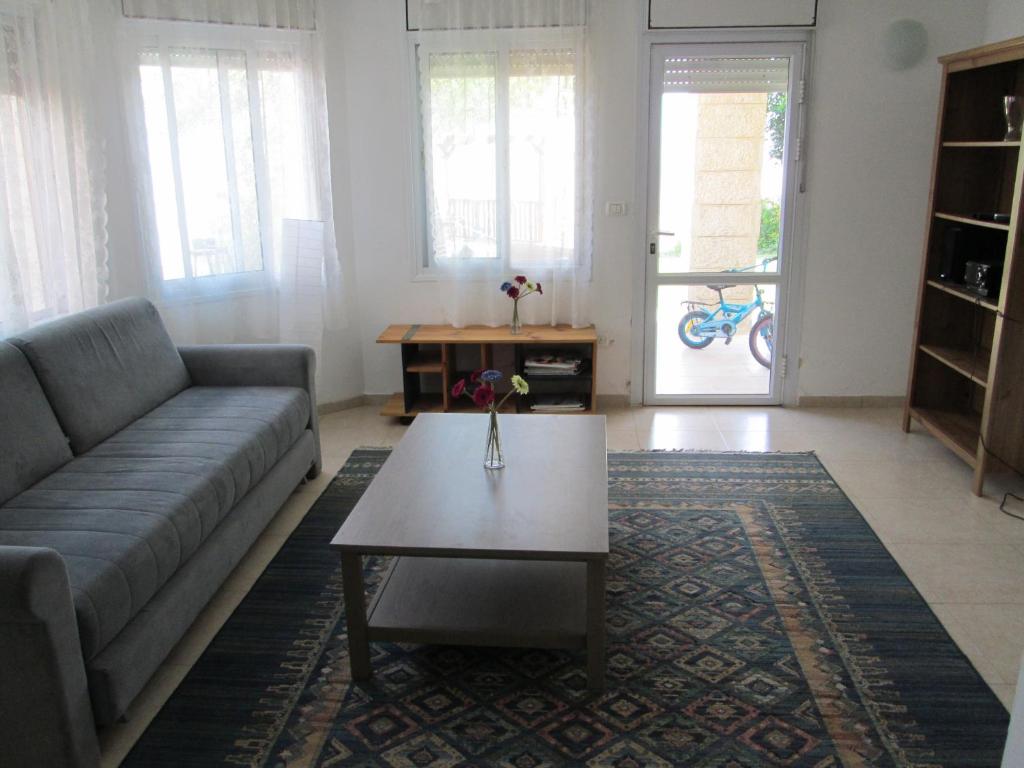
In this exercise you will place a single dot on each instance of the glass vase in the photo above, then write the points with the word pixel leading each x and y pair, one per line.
pixel 493 457
pixel 516 325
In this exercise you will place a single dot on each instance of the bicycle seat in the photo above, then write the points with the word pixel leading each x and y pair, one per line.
pixel 720 287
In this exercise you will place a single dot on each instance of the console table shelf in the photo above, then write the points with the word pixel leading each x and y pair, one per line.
pixel 434 357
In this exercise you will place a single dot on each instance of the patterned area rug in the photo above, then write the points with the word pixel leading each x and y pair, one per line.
pixel 754 619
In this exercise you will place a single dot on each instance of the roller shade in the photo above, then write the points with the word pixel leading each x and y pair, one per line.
pixel 696 14
pixel 686 74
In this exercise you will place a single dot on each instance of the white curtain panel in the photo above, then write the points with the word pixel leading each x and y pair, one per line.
pixel 229 137
pixel 507 114
pixel 277 14
pixel 52 206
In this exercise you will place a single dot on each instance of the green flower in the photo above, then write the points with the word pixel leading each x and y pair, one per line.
pixel 519 385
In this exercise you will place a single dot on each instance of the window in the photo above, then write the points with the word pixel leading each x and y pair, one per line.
pixel 499 138
pixel 224 146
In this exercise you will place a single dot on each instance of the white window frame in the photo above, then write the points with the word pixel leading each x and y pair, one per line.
pixel 424 266
pixel 162 35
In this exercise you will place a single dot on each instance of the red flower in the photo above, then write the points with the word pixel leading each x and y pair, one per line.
pixel 474 377
pixel 540 290
pixel 520 279
pixel 459 388
pixel 513 292
pixel 484 395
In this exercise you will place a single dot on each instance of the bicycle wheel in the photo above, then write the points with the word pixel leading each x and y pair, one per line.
pixel 762 340
pixel 688 329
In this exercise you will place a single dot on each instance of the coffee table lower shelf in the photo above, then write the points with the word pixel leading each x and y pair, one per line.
pixel 531 603
pixel 463 601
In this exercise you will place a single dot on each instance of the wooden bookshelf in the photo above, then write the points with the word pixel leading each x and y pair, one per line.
pixel 965 385
pixel 434 357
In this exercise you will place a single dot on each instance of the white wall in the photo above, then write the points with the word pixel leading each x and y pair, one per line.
pixel 871 134
pixel 1005 19
pixel 380 103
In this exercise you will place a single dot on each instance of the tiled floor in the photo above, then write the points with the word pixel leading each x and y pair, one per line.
pixel 965 557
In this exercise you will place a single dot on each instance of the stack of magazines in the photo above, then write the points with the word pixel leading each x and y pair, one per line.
pixel 553 364
pixel 557 403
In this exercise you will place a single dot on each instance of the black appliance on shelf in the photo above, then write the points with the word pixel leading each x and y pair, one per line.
pixel 983 277
pixel 958 246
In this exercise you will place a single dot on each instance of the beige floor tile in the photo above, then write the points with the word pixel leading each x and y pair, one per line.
pixel 996 630
pixel 966 572
pixel 685 418
pixel 935 521
pixel 953 622
pixel 1005 692
pixel 679 439
pixel 894 478
pixel 623 439
pixel 777 440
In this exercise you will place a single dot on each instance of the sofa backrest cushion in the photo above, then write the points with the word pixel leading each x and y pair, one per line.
pixel 32 444
pixel 103 368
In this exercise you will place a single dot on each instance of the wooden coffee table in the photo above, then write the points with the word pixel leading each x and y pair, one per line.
pixel 512 557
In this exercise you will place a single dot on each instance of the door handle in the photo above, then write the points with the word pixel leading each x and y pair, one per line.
pixel 655 236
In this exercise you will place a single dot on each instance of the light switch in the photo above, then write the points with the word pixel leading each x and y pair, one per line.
pixel 615 209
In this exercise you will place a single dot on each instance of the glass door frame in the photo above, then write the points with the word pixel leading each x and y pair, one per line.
pixel 782 379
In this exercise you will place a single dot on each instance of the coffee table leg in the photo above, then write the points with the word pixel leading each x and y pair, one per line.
pixel 595 624
pixel 355 615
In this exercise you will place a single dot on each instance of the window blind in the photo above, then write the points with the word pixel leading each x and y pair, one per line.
pixel 685 74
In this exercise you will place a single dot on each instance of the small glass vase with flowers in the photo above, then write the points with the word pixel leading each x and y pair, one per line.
pixel 484 397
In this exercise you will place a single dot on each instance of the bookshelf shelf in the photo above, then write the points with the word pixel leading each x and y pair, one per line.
pixel 972 221
pixel 982 144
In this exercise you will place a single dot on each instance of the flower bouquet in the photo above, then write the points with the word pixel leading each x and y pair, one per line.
pixel 485 397
pixel 516 289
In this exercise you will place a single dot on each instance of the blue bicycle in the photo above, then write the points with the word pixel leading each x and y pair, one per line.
pixel 699 327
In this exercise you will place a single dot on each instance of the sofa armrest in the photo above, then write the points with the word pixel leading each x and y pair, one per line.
pixel 45 714
pixel 257 365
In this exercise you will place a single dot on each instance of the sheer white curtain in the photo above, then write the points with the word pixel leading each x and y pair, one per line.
pixel 506 104
pixel 52 205
pixel 228 127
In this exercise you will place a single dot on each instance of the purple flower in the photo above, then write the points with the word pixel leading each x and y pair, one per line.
pixel 491 375
pixel 513 292
pixel 459 388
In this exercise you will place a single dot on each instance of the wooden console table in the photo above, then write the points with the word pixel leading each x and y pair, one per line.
pixel 434 357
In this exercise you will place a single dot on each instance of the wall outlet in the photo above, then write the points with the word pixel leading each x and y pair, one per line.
pixel 615 209
pixel 605 341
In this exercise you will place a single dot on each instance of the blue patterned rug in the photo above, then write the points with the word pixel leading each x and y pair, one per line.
pixel 754 619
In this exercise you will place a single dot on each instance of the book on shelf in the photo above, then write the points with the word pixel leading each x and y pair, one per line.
pixel 553 364
pixel 557 403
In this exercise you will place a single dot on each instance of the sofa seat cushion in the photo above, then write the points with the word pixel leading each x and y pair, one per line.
pixel 127 514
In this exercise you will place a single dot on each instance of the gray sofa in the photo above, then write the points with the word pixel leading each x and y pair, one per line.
pixel 134 476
